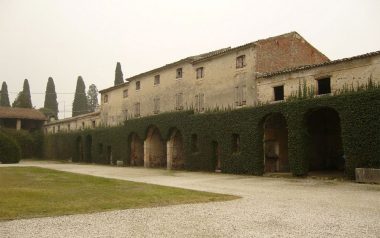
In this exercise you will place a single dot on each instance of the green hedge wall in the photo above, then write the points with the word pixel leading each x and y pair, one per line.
pixel 359 114
pixel 31 143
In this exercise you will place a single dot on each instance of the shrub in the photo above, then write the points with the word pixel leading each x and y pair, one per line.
pixel 10 151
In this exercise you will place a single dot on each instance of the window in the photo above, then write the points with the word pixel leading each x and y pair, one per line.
pixel 235 143
pixel 68 127
pixel 105 100
pixel 125 93
pixel 53 129
pixel 179 101
pixel 279 93
pixel 194 143
pixel 156 102
pixel 240 62
pixel 83 125
pixel 138 85
pixel 137 109
pixel 240 95
pixel 199 102
pixel 93 124
pixel 178 73
pixel 157 80
pixel 324 86
pixel 59 128
pixel 200 73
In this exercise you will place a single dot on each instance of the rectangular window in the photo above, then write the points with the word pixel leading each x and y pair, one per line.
pixel 156 102
pixel 240 62
pixel 93 124
pixel 200 73
pixel 68 127
pixel 324 86
pixel 240 95
pixel 138 85
pixel 59 128
pixel 137 109
pixel 199 102
pixel 178 73
pixel 279 93
pixel 157 80
pixel 125 93
pixel 179 101
pixel 105 100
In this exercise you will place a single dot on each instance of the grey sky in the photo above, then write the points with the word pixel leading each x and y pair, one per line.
pixel 67 38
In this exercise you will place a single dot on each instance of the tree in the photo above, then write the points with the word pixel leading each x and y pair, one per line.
pixel 23 98
pixel 118 75
pixel 80 99
pixel 51 98
pixel 92 98
pixel 4 97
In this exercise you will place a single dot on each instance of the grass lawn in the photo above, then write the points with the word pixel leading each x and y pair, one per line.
pixel 27 192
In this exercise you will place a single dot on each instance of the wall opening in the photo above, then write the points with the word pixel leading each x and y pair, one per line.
pixel 275 144
pixel 326 153
pixel 109 155
pixel 79 149
pixel 215 150
pixel 324 86
pixel 194 143
pixel 154 150
pixel 235 143
pixel 88 149
pixel 137 151
pixel 175 155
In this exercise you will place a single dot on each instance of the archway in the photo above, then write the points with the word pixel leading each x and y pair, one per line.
pixel 275 140
pixel 216 161
pixel 326 151
pixel 88 149
pixel 136 150
pixel 175 159
pixel 154 150
pixel 79 149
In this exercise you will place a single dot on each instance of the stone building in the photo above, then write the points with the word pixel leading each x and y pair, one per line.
pixel 21 118
pixel 81 122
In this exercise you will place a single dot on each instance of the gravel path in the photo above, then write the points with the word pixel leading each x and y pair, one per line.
pixel 269 208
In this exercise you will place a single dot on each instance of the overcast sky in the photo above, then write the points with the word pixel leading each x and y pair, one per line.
pixel 67 38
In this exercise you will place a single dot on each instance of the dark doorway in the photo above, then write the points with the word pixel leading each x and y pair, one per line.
pixel 88 152
pixel 109 155
pixel 216 161
pixel 79 146
pixel 326 143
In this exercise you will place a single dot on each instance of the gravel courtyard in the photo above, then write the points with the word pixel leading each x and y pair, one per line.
pixel 269 207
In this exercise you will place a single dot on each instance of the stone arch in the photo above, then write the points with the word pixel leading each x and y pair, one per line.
pixel 174 146
pixel 324 129
pixel 154 150
pixel 136 154
pixel 275 143
pixel 88 149
pixel 79 149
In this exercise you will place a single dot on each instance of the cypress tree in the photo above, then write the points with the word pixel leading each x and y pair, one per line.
pixel 4 97
pixel 118 75
pixel 23 98
pixel 80 105
pixel 92 98
pixel 51 98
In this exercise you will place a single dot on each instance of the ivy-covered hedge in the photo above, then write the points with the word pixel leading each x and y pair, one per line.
pixel 31 143
pixel 359 114
pixel 10 152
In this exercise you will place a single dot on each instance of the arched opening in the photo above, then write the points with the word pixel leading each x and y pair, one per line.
pixel 88 149
pixel 215 156
pixel 175 159
pixel 79 149
pixel 109 155
pixel 154 150
pixel 136 150
pixel 326 151
pixel 275 143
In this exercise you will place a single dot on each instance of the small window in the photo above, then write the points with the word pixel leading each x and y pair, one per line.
pixel 324 86
pixel 235 143
pixel 93 124
pixel 83 125
pixel 200 72
pixel 178 73
pixel 240 95
pixel 137 109
pixel 125 93
pixel 156 102
pixel 157 80
pixel 105 100
pixel 279 93
pixel 194 143
pixel 68 127
pixel 240 62
pixel 138 85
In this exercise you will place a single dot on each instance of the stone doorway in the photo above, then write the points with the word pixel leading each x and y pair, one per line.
pixel 154 150
pixel 136 151
pixel 175 159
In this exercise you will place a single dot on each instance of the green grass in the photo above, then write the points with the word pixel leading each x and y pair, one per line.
pixel 27 192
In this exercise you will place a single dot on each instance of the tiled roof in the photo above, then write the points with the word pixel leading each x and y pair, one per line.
pixel 21 113
pixel 311 66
